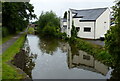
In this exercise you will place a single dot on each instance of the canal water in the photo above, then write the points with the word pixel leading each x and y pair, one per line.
pixel 50 58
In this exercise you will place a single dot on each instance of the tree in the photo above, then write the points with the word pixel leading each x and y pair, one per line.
pixel 15 16
pixel 73 31
pixel 65 15
pixel 48 23
pixel 112 37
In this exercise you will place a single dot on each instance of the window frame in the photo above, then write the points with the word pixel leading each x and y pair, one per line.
pixel 88 29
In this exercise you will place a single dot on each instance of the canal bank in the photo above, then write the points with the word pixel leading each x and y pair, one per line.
pixel 8 70
pixel 50 58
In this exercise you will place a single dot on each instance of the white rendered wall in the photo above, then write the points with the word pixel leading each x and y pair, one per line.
pixel 102 24
pixel 64 23
pixel 63 29
pixel 81 33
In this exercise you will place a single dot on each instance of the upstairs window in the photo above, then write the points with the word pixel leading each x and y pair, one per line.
pixel 87 29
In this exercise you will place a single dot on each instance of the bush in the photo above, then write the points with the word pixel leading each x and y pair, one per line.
pixel 61 35
pixel 5 32
pixel 49 24
pixel 30 30
pixel 49 30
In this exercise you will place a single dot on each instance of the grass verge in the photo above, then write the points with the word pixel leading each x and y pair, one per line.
pixel 9 71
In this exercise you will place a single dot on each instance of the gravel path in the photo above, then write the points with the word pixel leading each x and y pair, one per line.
pixel 7 44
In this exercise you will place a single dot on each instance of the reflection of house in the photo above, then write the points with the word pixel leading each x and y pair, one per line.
pixel 64 46
pixel 90 23
pixel 83 58
pixel 86 61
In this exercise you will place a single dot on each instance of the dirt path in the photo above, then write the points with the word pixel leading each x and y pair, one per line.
pixel 7 44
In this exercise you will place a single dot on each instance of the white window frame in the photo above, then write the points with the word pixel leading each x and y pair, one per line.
pixel 86 27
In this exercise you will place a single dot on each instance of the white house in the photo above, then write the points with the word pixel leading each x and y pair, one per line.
pixel 90 23
pixel 63 24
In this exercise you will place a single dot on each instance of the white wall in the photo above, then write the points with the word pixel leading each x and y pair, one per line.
pixel 101 26
pixel 81 33
pixel 64 23
pixel 63 29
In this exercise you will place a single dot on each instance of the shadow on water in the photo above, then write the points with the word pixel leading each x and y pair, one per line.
pixel 50 58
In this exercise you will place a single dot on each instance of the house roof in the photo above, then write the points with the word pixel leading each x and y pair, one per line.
pixel 88 14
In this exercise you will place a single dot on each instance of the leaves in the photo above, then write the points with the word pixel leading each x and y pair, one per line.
pixel 49 23
pixel 15 16
pixel 112 42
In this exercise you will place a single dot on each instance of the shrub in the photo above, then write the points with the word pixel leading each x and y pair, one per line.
pixel 5 32
pixel 31 30
pixel 48 19
pixel 49 30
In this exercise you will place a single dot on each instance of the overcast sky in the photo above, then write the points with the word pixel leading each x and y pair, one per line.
pixel 60 6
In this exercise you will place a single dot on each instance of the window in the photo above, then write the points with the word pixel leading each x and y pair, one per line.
pixel 86 57
pixel 87 29
pixel 65 26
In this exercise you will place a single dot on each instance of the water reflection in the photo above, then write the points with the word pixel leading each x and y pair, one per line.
pixel 48 58
pixel 48 45
pixel 80 59
pixel 25 60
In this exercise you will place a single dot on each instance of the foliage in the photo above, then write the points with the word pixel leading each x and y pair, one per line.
pixel 112 37
pixel 9 71
pixel 49 23
pixel 30 30
pixel 61 35
pixel 15 16
pixel 73 33
pixel 5 32
pixel 49 30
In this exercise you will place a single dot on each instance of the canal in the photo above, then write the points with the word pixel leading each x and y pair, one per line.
pixel 50 58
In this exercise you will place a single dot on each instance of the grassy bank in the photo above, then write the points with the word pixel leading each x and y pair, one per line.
pixel 9 71
pixel 99 52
